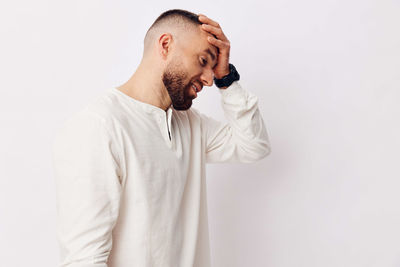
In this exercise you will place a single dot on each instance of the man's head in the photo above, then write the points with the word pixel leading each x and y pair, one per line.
pixel 179 46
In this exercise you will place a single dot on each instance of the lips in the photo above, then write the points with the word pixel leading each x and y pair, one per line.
pixel 194 90
pixel 198 88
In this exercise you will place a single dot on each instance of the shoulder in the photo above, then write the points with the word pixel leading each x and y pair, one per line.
pixel 107 107
pixel 96 120
pixel 83 126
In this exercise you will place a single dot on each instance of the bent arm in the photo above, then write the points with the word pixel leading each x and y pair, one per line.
pixel 243 138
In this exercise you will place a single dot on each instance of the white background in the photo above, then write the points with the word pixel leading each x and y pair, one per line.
pixel 327 74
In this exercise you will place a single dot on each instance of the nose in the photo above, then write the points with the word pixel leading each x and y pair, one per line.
pixel 208 77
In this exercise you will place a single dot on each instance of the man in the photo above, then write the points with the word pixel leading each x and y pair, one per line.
pixel 130 167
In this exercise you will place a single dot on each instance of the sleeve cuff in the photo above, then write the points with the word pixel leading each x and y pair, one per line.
pixel 234 93
pixel 231 89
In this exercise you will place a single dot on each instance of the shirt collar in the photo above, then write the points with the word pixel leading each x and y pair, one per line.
pixel 148 108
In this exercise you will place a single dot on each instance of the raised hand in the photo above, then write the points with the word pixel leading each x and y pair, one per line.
pixel 221 42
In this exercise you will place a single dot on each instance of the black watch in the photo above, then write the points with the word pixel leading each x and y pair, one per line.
pixel 227 80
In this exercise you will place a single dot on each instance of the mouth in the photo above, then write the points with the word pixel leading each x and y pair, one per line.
pixel 195 90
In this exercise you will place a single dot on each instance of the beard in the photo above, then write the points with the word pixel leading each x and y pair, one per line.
pixel 174 81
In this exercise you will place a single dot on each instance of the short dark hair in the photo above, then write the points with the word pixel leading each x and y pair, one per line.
pixel 176 14
pixel 174 17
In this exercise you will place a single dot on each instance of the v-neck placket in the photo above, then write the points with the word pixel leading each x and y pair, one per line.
pixel 162 117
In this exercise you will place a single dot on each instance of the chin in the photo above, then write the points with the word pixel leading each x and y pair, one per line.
pixel 183 107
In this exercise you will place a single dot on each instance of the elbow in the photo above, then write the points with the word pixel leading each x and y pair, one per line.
pixel 265 150
pixel 256 152
pixel 99 260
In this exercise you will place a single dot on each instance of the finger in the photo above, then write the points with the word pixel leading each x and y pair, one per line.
pixel 207 20
pixel 219 43
pixel 214 30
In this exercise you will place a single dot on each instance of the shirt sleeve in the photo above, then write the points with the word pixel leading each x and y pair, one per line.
pixel 243 138
pixel 88 189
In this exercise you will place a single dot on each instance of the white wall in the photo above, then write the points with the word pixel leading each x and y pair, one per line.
pixel 327 74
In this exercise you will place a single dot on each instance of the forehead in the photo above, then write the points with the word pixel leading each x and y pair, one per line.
pixel 200 43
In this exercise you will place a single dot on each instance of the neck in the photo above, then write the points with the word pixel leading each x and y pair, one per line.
pixel 145 85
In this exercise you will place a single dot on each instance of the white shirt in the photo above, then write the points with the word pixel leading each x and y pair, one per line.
pixel 128 195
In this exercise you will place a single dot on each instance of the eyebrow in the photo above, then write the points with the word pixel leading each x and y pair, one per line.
pixel 211 55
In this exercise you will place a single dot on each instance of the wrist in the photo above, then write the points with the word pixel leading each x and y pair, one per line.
pixel 222 75
pixel 225 81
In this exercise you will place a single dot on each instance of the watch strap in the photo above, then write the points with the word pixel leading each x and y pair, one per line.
pixel 228 79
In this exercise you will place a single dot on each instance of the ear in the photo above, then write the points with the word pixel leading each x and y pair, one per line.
pixel 164 45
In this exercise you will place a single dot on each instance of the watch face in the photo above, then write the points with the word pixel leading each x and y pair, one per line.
pixel 235 74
